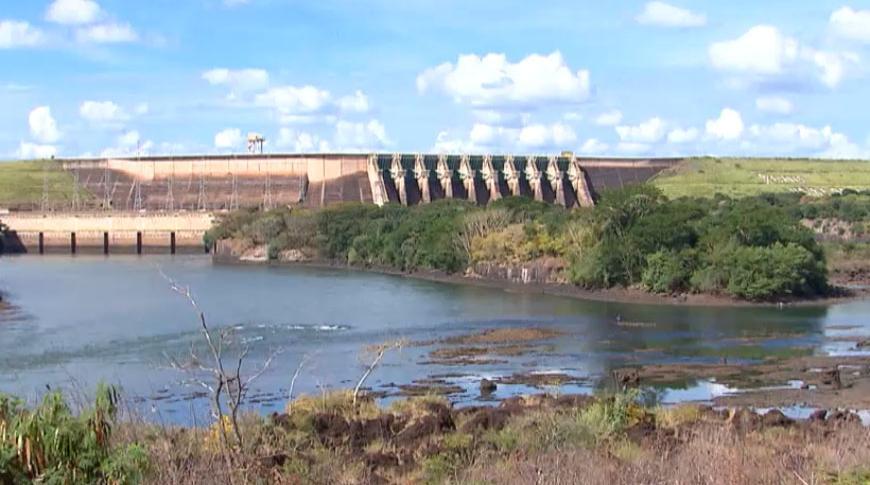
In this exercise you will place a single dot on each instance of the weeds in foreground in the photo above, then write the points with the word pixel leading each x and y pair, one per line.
pixel 51 444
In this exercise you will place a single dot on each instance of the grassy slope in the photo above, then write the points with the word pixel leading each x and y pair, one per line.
pixel 21 184
pixel 705 177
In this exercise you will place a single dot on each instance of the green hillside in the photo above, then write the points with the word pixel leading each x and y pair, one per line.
pixel 705 177
pixel 21 184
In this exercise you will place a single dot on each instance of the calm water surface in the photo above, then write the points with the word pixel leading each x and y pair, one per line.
pixel 76 321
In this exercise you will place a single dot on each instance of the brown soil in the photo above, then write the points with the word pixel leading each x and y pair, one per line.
pixel 505 335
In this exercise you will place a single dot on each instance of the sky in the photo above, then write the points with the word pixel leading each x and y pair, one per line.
pixel 92 78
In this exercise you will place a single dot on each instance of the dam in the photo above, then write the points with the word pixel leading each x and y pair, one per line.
pixel 163 204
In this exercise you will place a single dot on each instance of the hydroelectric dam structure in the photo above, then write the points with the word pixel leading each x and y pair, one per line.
pixel 166 203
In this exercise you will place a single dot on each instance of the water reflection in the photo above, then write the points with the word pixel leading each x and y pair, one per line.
pixel 78 320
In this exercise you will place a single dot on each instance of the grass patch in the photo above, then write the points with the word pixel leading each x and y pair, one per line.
pixel 738 177
pixel 21 184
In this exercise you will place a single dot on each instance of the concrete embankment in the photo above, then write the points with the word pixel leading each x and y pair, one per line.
pixel 106 232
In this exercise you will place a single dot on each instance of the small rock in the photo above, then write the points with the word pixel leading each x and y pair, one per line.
pixel 487 386
pixel 819 415
pixel 863 344
pixel 774 417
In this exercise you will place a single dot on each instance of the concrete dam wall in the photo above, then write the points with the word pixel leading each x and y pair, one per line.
pixel 214 183
pixel 165 204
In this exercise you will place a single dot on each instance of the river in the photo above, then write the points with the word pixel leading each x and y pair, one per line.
pixel 71 322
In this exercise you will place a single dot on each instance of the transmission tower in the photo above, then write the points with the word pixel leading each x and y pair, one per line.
pixel 107 190
pixel 201 201
pixel 170 198
pixel 267 193
pixel 44 203
pixel 137 196
pixel 234 195
pixel 76 198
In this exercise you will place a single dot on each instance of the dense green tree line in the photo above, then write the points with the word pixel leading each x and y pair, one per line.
pixel 753 248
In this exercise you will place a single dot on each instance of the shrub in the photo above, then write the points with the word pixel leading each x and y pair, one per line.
pixel 759 273
pixel 50 444
pixel 669 271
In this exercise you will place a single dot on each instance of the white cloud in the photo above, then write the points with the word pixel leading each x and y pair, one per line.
pixel 729 125
pixel 664 15
pixel 308 104
pixel 228 139
pixel 141 109
pixel 43 128
pixel 290 101
pixel 128 144
pixel 110 33
pixel 360 136
pixel 609 118
pixel 102 112
pixel 526 138
pixel 493 81
pixel 242 80
pixel 632 147
pixel 301 142
pixel 538 136
pixel 29 151
pixel 680 135
pixel 129 139
pixel 358 102
pixel 445 144
pixel 765 52
pixel 774 104
pixel 649 131
pixel 594 147
pixel 796 138
pixel 14 34
pixel 73 12
pixel 761 50
pixel 832 65
pixel 851 24
pixel 572 116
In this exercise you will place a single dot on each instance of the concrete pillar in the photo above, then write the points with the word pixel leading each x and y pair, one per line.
pixel 511 175
pixel 533 175
pixel 422 176
pixel 578 180
pixel 445 176
pixel 555 176
pixel 376 180
pixel 466 174
pixel 490 177
pixel 398 175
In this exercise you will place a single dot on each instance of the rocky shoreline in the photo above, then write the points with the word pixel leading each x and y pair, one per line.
pixel 536 277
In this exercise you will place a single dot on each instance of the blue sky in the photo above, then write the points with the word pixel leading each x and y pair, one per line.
pixel 113 77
